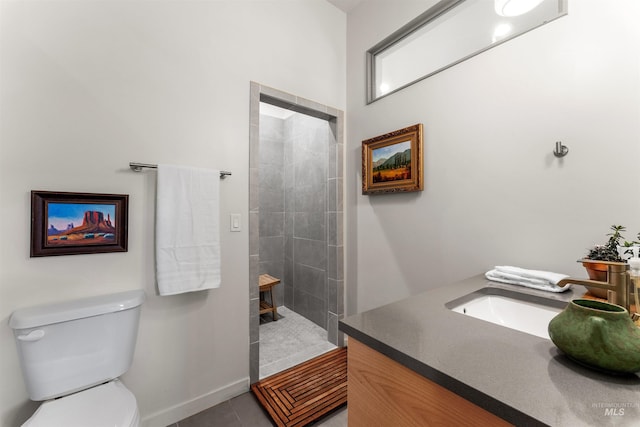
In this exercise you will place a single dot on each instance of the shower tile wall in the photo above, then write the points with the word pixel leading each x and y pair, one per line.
pixel 271 202
pixel 293 211
pixel 305 259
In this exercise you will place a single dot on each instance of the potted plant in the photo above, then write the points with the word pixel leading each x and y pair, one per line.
pixel 615 250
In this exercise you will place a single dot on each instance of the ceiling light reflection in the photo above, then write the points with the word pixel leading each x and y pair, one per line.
pixel 501 31
pixel 515 7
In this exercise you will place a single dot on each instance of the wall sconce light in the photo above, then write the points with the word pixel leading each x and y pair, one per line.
pixel 515 7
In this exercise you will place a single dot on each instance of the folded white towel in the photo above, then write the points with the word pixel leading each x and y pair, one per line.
pixel 187 229
pixel 536 279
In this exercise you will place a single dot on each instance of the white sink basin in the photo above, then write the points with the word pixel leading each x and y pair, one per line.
pixel 522 312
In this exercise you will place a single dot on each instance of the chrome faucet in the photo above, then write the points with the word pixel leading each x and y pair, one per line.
pixel 618 283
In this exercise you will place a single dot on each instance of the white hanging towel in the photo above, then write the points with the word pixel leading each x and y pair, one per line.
pixel 187 229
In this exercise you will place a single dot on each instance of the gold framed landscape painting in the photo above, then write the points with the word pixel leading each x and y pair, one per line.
pixel 393 162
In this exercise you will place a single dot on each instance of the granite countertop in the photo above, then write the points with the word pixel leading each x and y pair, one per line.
pixel 519 377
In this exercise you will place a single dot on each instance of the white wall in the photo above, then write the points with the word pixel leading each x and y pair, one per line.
pixel 494 193
pixel 88 86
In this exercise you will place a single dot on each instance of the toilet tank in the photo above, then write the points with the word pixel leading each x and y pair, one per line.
pixel 74 345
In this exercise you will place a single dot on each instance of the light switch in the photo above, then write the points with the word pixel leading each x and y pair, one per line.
pixel 235 222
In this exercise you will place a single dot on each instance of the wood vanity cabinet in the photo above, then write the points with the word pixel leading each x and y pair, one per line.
pixel 382 392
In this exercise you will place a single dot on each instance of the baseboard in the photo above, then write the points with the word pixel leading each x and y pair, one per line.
pixel 184 410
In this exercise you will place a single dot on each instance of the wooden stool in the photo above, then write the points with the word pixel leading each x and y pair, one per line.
pixel 266 284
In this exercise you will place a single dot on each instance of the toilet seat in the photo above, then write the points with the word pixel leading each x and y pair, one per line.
pixel 106 405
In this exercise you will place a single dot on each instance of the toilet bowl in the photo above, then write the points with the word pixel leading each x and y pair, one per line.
pixel 72 354
pixel 106 405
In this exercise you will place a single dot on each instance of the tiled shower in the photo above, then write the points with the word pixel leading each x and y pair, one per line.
pixel 295 213
pixel 294 210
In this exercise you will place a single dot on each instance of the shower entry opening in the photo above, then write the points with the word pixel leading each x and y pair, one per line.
pixel 296 216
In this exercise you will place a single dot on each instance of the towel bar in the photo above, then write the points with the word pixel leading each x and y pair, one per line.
pixel 137 167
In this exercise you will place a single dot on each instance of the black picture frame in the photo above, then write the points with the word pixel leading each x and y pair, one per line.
pixel 66 223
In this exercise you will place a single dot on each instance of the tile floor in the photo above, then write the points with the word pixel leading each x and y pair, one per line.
pixel 292 339
pixel 283 344
pixel 245 411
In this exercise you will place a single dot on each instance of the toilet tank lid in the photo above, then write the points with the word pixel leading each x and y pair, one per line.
pixel 32 317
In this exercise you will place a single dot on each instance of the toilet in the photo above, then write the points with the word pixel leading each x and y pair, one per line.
pixel 71 355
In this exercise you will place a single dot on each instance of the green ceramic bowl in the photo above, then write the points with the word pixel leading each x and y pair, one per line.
pixel 599 335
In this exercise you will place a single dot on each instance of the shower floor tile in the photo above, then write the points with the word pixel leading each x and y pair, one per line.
pixel 289 341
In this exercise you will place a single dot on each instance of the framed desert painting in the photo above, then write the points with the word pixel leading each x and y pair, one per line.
pixel 393 162
pixel 65 223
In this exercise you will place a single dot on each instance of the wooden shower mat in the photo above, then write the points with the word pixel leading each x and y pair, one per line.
pixel 306 392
